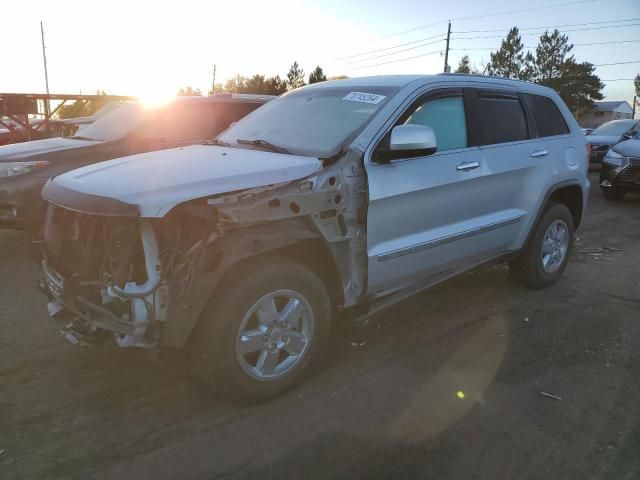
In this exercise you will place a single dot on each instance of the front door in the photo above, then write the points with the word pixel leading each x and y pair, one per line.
pixel 434 213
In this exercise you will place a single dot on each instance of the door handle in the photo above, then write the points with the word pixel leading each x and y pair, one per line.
pixel 539 153
pixel 467 166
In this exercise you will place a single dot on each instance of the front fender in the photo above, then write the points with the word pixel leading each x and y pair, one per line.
pixel 237 245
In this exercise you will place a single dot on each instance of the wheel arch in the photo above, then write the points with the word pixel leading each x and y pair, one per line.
pixel 571 196
pixel 241 248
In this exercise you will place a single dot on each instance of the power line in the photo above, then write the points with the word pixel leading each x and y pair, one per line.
pixel 390 48
pixel 602 43
pixel 439 51
pixel 391 53
pixel 475 38
pixel 398 60
pixel 422 27
pixel 615 63
pixel 553 26
pixel 533 9
pixel 534 46
pixel 540 33
pixel 542 7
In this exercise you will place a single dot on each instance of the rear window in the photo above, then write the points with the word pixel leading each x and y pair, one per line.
pixel 500 119
pixel 549 120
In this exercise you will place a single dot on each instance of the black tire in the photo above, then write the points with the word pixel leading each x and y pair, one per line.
pixel 613 194
pixel 528 267
pixel 213 348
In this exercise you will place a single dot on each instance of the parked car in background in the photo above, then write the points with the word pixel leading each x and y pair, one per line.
pixel 66 127
pixel 607 135
pixel 587 131
pixel 343 195
pixel 621 169
pixel 131 128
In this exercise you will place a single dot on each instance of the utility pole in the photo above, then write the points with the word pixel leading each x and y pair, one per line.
pixel 47 106
pixel 446 52
pixel 635 99
pixel 213 84
pixel 44 58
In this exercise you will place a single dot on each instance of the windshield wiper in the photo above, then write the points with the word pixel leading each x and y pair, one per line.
pixel 265 144
pixel 217 142
pixel 80 137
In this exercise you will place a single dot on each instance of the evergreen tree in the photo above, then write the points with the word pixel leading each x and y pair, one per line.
pixel 510 60
pixel 295 77
pixel 464 65
pixel 317 76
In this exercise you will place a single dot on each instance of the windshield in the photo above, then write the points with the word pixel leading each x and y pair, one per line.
pixel 114 125
pixel 313 122
pixel 616 127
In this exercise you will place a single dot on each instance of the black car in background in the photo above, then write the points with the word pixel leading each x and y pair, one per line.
pixel 621 169
pixel 127 130
pixel 605 136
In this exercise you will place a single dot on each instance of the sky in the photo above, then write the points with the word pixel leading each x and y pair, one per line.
pixel 152 48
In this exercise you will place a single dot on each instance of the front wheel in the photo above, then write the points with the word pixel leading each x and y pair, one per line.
pixel 264 330
pixel 545 257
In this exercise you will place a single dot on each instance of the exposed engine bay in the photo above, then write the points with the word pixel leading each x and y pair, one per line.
pixel 145 281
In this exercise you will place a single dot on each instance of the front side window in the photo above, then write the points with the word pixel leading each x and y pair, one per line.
pixel 447 119
pixel 499 119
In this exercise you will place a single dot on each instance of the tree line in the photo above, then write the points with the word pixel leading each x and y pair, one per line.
pixel 263 85
pixel 553 66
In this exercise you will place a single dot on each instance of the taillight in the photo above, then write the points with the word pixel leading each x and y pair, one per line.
pixel 588 149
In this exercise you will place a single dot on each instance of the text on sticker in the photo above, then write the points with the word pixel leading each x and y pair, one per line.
pixel 364 97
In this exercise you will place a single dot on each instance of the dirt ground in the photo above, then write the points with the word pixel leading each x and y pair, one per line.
pixel 447 385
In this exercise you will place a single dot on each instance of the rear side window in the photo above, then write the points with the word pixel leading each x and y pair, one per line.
pixel 446 117
pixel 549 121
pixel 500 118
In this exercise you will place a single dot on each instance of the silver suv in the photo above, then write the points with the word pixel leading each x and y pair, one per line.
pixel 343 196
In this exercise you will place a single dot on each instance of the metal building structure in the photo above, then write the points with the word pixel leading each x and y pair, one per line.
pixel 15 109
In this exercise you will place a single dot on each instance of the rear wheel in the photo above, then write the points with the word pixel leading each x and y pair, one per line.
pixel 263 331
pixel 613 194
pixel 547 253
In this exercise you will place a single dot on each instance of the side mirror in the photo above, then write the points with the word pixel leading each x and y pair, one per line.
pixel 412 141
pixel 629 134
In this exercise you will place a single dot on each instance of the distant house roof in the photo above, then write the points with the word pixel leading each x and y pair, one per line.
pixel 620 106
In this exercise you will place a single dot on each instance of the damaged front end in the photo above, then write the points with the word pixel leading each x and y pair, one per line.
pixel 108 272
pixel 104 273
pixel 120 274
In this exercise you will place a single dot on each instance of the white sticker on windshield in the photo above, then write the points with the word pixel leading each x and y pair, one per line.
pixel 364 97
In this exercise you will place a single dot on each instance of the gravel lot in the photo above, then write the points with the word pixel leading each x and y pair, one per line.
pixel 446 385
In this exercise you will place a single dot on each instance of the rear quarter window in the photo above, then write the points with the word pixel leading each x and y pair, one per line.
pixel 499 118
pixel 546 115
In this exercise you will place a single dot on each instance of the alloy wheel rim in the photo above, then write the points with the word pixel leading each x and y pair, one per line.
pixel 275 335
pixel 555 245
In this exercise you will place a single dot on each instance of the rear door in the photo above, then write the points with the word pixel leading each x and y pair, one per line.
pixel 517 162
pixel 431 214
pixel 553 131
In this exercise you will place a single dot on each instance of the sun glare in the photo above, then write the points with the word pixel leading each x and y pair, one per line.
pixel 156 99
